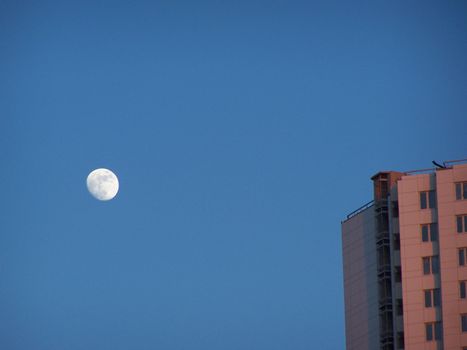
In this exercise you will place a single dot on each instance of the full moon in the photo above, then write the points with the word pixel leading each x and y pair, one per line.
pixel 102 184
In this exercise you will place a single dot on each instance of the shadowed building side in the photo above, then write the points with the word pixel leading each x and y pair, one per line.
pixel 360 282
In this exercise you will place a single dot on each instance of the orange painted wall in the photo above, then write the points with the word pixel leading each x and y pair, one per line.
pixel 450 241
pixel 411 217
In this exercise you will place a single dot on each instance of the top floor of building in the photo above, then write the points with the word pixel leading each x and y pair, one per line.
pixel 450 176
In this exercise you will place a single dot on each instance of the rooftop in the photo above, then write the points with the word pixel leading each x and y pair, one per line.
pixel 436 166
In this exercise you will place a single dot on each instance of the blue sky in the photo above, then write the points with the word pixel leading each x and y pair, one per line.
pixel 241 132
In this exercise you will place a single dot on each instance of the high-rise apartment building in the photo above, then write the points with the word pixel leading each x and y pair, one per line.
pixel 405 262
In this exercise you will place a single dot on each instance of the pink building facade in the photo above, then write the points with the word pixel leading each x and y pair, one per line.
pixel 405 263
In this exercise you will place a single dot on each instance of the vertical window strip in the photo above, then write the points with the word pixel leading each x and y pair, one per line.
pixel 435 264
pixel 427 298
pixel 461 190
pixel 434 232
pixel 464 322
pixel 461 257
pixel 426 266
pixel 425 233
pixel 437 297
pixel 429 331
pixel 438 331
pixel 423 200
pixel 462 289
pixel 432 199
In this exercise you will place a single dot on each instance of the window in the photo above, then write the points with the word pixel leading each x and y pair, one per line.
pixel 423 201
pixel 400 340
pixel 427 199
pixel 395 209
pixel 436 297
pixel 429 232
pixel 426 266
pixel 429 331
pixel 462 253
pixel 464 323
pixel 434 331
pixel 462 290
pixel 428 298
pixel 432 297
pixel 399 307
pixel 461 222
pixel 425 233
pixel 438 331
pixel 430 265
pixel 397 274
pixel 461 190
pixel 431 199
pixel 397 241
pixel 434 232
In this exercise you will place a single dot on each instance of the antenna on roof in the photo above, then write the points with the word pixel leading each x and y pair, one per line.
pixel 439 165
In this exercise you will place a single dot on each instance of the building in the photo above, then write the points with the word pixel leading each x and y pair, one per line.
pixel 405 262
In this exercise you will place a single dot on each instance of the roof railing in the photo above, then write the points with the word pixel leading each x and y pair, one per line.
pixel 359 210
pixel 455 161
pixel 417 171
pixel 446 164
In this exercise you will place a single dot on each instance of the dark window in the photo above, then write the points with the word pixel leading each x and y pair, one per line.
pixel 427 199
pixel 461 190
pixel 432 297
pixel 428 298
pixel 395 209
pixel 398 274
pixel 429 331
pixel 464 323
pixel 426 265
pixel 429 232
pixel 430 264
pixel 436 297
pixel 399 307
pixel 462 289
pixel 397 242
pixel 435 264
pixel 423 200
pixel 462 256
pixel 425 233
pixel 438 331
pixel 459 224
pixel 400 340
pixel 432 199
pixel 434 232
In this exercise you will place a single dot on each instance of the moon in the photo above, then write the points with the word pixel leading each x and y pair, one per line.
pixel 102 184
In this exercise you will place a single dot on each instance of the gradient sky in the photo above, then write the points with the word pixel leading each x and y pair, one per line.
pixel 242 133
